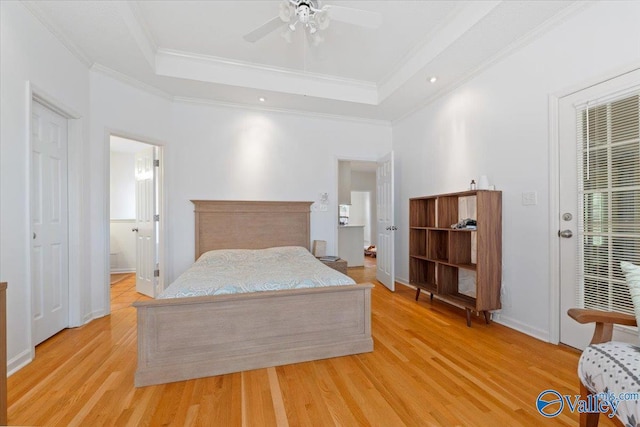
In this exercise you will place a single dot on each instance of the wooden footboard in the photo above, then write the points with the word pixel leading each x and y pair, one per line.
pixel 186 338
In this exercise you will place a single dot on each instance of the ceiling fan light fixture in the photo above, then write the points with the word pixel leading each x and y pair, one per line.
pixel 322 20
pixel 285 11
pixel 314 18
pixel 304 13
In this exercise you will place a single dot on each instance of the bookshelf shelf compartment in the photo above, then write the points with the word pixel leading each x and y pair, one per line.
pixel 418 242
pixel 438 252
pixel 438 244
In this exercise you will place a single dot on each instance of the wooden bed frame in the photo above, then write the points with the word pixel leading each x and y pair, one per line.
pixel 186 338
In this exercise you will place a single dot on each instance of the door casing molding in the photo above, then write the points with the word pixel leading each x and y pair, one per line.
pixel 554 191
pixel 162 194
pixel 75 218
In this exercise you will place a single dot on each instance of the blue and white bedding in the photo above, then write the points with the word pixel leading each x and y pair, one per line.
pixel 234 271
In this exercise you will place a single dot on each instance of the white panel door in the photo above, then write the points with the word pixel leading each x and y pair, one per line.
pixel 572 261
pixel 386 227
pixel 49 223
pixel 145 223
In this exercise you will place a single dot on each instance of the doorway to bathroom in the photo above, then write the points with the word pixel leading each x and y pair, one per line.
pixel 134 226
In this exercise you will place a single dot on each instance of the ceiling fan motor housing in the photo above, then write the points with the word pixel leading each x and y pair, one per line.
pixel 311 15
pixel 303 13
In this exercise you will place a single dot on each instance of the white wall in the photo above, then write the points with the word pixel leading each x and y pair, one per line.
pixel 122 185
pixel 251 155
pixel 122 246
pixel 214 152
pixel 123 212
pixel 126 111
pixel 498 124
pixel 29 53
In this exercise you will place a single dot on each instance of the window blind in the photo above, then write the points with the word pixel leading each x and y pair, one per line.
pixel 609 199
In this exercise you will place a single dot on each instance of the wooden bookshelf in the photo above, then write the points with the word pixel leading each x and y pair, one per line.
pixel 438 253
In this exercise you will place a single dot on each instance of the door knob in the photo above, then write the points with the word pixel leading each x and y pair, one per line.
pixel 135 229
pixel 565 233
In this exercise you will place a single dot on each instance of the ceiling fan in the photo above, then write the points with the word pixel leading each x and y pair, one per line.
pixel 309 14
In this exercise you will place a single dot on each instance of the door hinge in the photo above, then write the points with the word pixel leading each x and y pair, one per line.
pixel 156 217
pixel 156 163
pixel 156 273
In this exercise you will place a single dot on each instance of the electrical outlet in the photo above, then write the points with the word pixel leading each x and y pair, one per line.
pixel 529 198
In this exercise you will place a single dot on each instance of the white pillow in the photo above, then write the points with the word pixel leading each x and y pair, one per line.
pixel 632 273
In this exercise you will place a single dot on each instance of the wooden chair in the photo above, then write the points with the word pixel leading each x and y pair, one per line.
pixel 604 321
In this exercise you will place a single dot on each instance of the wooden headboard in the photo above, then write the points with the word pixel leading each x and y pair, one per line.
pixel 224 224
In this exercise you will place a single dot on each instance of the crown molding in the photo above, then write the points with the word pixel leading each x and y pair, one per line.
pixel 32 7
pixel 132 17
pixel 448 33
pixel 123 78
pixel 419 46
pixel 117 75
pixel 539 31
pixel 187 65
pixel 231 105
pixel 266 68
pixel 138 14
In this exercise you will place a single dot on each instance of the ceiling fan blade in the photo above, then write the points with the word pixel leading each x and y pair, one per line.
pixel 263 30
pixel 360 17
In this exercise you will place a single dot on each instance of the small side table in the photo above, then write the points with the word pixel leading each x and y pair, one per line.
pixel 338 265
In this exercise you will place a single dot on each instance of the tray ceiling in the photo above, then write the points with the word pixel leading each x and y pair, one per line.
pixel 195 50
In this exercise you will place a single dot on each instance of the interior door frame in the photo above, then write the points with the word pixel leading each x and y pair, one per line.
pixel 554 191
pixel 162 206
pixel 336 219
pixel 75 124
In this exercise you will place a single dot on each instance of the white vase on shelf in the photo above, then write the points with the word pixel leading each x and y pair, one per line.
pixel 483 182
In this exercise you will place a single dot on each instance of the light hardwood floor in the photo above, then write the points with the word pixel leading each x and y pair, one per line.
pixel 427 368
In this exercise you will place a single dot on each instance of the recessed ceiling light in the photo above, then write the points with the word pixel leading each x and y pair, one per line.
pixel 433 79
pixel 262 99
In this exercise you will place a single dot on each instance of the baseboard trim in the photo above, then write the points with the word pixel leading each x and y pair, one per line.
pixel 19 362
pixel 509 322
pixel 404 282
pixel 122 270
pixel 86 319
pixel 97 314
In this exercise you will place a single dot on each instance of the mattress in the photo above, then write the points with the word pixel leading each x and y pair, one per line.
pixel 234 271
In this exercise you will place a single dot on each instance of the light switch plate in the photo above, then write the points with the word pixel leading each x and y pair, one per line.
pixel 529 198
